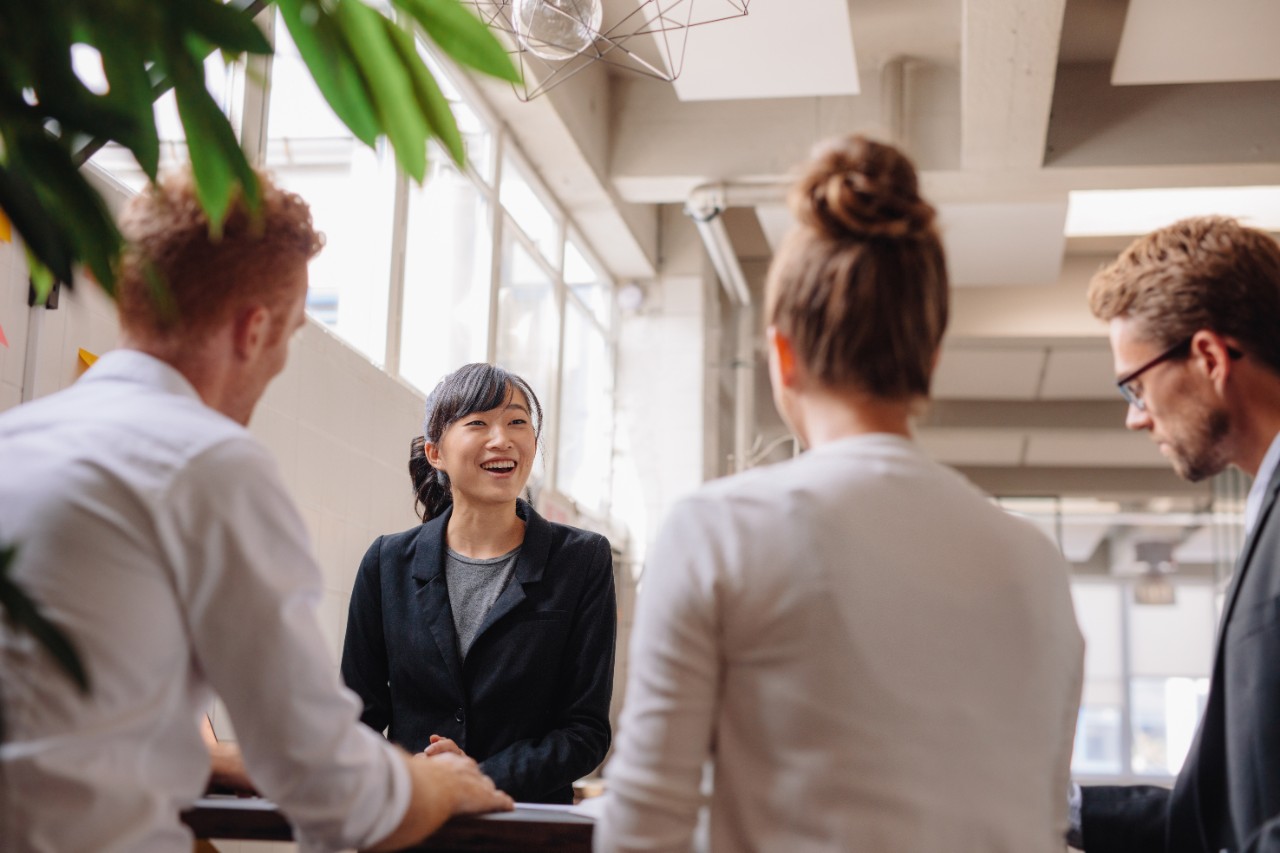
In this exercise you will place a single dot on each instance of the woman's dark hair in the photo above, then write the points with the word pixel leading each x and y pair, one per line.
pixel 860 284
pixel 471 388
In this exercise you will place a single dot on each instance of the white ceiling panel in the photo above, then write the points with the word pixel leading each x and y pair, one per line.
pixel 1004 244
pixel 1090 449
pixel 782 49
pixel 971 447
pixel 1079 374
pixel 775 221
pixel 1196 41
pixel 988 374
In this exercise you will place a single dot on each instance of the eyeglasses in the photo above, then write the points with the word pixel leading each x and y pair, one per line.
pixel 1133 393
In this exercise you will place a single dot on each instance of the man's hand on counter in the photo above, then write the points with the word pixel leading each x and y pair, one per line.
pixel 226 764
pixel 443 786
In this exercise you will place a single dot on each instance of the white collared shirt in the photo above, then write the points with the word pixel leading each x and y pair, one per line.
pixel 157 534
pixel 1253 503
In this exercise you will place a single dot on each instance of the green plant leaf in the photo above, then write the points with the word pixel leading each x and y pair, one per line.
pixel 70 201
pixel 388 82
pixel 40 232
pixel 124 63
pixel 330 63
pixel 462 36
pixel 435 107
pixel 217 161
pixel 225 26
pixel 23 614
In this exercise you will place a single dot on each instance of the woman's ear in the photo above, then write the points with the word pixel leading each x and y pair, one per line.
pixel 783 356
pixel 432 452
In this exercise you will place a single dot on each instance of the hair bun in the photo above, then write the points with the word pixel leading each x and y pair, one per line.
pixel 855 188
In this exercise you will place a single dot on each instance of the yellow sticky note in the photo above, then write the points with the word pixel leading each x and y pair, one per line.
pixel 6 228
pixel 87 358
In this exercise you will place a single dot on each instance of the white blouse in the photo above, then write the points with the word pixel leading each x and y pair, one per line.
pixel 873 656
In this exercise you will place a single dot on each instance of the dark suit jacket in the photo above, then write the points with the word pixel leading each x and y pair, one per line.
pixel 531 700
pixel 1227 796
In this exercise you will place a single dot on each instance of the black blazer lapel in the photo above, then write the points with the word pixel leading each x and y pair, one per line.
pixel 529 566
pixel 432 597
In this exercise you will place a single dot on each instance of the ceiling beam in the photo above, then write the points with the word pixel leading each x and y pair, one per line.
pixel 1102 483
pixel 1023 415
pixel 1009 55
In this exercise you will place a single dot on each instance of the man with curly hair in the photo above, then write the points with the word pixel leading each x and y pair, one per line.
pixel 155 531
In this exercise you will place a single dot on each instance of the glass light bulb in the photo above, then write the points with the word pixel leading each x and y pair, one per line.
pixel 557 29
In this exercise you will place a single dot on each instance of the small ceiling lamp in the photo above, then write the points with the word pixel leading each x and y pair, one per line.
pixel 555 39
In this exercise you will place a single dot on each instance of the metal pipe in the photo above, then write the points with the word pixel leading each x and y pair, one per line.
pixel 706 206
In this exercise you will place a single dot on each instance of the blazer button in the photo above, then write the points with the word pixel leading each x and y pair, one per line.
pixel 457 715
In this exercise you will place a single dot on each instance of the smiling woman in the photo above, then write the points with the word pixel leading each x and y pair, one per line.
pixel 486 630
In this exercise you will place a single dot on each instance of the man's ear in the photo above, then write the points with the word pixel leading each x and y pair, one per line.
pixel 250 330
pixel 1212 353
pixel 784 356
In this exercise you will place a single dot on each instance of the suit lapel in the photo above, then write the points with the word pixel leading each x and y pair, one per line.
pixel 529 567
pixel 432 594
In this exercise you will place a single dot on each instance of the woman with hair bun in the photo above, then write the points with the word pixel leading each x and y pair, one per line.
pixel 869 653
pixel 486 630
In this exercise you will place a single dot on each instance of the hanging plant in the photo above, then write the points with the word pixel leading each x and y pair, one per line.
pixel 365 64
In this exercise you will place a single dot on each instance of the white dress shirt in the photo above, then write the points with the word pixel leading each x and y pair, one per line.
pixel 156 533
pixel 1258 491
pixel 873 656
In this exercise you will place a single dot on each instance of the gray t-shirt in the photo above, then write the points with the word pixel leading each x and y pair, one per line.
pixel 474 585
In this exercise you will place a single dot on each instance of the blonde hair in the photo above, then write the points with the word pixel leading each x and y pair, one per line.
pixel 177 281
pixel 860 285
pixel 1208 272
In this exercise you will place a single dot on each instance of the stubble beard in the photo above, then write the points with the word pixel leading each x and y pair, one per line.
pixel 1200 453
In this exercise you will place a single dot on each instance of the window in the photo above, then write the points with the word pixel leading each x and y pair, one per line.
pixel 448 257
pixel 351 190
pixel 225 83
pixel 585 281
pixel 1099 741
pixel 530 212
pixel 1146 677
pixel 528 328
pixel 585 460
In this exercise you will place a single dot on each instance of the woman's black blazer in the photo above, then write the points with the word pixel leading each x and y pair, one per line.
pixel 531 700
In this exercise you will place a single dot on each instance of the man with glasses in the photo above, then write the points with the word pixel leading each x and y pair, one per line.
pixel 1194 314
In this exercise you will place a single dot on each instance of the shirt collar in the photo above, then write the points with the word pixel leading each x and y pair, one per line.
pixel 129 365
pixel 1253 504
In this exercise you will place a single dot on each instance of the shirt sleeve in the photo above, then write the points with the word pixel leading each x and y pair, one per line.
pixel 666 731
pixel 250 589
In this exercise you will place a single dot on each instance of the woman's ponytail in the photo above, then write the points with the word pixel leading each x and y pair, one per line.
pixel 430 486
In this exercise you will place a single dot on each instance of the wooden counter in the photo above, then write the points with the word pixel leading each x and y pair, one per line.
pixel 525 830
